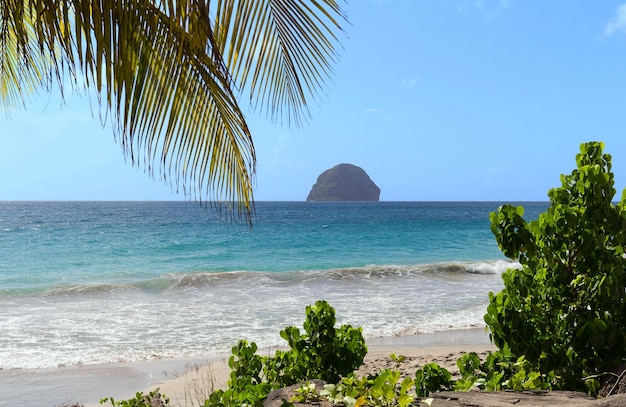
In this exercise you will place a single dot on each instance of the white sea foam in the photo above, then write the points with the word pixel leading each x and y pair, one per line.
pixel 494 267
pixel 204 314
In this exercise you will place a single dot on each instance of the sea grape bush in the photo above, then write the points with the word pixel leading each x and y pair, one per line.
pixel 322 352
pixel 388 388
pixel 432 378
pixel 500 371
pixel 152 399
pixel 565 309
pixel 246 386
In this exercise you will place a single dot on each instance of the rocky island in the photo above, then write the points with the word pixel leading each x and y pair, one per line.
pixel 344 182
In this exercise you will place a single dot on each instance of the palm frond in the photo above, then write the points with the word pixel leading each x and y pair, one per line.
pixel 281 50
pixel 23 67
pixel 165 72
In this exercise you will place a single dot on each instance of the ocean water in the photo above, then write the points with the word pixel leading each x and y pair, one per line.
pixel 86 283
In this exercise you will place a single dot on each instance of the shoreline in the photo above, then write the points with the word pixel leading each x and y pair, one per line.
pixel 88 384
pixel 442 347
pixel 180 379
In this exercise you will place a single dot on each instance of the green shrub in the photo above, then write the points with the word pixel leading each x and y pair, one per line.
pixel 565 309
pixel 152 399
pixel 432 378
pixel 386 389
pixel 323 352
pixel 501 370
pixel 245 385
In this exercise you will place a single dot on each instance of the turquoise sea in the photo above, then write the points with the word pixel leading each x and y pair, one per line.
pixel 84 283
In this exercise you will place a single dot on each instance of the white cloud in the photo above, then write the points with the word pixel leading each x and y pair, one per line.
pixel 410 82
pixel 618 22
pixel 378 113
pixel 489 8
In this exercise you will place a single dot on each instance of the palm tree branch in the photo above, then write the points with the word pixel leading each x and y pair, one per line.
pixel 167 71
pixel 196 112
pixel 281 50
pixel 156 70
pixel 23 67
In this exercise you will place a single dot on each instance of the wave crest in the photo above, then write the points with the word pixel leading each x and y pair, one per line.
pixel 207 280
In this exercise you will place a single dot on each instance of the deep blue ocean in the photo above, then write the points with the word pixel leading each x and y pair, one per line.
pixel 99 282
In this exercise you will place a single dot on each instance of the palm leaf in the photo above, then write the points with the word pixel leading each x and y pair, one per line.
pixel 23 68
pixel 281 50
pixel 164 72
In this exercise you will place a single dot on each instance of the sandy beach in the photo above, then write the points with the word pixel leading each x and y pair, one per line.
pixel 191 388
pixel 185 381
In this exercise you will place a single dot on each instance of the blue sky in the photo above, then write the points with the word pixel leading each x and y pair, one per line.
pixel 435 100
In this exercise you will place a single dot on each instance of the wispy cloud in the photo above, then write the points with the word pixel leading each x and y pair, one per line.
pixel 378 114
pixel 493 5
pixel 410 82
pixel 489 8
pixel 618 22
